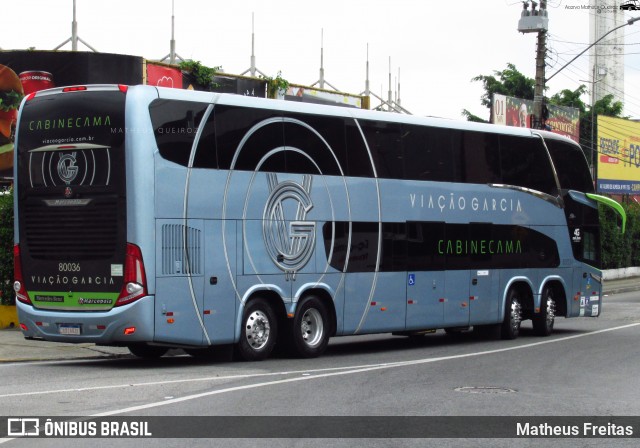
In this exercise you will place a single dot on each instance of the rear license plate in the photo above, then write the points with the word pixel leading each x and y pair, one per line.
pixel 72 329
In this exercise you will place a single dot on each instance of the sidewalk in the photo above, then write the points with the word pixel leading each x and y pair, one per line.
pixel 15 348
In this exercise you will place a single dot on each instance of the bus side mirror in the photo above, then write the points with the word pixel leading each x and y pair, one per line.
pixel 611 204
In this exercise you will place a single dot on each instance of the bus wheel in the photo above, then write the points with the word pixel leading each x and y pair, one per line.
pixel 147 351
pixel 512 316
pixel 259 331
pixel 543 321
pixel 310 334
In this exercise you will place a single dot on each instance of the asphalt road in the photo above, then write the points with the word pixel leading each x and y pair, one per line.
pixel 587 368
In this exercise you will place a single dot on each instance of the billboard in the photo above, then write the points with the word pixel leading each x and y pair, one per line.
pixel 26 71
pixel 618 156
pixel 23 72
pixel 510 111
pixel 320 96
pixel 162 75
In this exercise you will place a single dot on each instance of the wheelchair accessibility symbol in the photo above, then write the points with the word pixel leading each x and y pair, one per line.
pixel 412 279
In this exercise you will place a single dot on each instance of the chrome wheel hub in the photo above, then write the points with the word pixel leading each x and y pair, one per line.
pixel 516 314
pixel 257 329
pixel 312 327
pixel 551 310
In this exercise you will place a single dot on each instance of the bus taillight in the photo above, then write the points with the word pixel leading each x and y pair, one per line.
pixel 135 279
pixel 75 89
pixel 18 285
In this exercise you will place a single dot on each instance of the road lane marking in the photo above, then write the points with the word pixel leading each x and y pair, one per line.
pixel 330 372
pixel 306 374
pixel 354 370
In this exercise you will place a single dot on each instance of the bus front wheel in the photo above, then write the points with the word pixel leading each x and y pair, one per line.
pixel 512 315
pixel 310 332
pixel 259 331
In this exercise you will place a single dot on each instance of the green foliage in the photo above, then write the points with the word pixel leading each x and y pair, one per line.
pixel 471 117
pixel 276 85
pixel 6 249
pixel 202 74
pixel 618 250
pixel 569 98
pixel 509 82
pixel 605 106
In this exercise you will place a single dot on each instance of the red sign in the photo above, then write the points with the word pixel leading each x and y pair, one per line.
pixel 163 76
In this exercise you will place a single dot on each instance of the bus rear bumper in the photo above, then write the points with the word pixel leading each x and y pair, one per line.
pixel 132 323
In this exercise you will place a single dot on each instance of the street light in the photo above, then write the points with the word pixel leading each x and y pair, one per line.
pixel 593 124
pixel 629 22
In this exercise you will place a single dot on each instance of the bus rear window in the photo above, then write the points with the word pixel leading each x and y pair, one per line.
pixel 65 140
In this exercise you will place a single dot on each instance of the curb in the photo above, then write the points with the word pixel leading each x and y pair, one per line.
pixel 72 358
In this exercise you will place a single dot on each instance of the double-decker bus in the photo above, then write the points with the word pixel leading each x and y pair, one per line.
pixel 155 218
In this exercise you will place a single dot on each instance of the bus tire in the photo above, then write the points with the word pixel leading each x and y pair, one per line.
pixel 512 315
pixel 147 351
pixel 543 321
pixel 310 329
pixel 259 331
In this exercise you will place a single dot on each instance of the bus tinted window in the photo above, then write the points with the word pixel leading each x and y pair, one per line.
pixel 358 160
pixel 439 246
pixel 481 158
pixel 315 144
pixel 525 163
pixel 253 137
pixel 385 146
pixel 431 153
pixel 175 124
pixel 571 166
pixel 422 238
pixel 73 118
pixel 206 154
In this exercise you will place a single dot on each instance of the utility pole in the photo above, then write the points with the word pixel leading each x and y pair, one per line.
pixel 537 21
pixel 538 93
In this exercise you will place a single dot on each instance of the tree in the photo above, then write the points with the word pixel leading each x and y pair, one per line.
pixel 570 98
pixel 605 106
pixel 509 82
pixel 471 117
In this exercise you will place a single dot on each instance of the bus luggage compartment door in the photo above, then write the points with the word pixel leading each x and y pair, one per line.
pixel 220 288
pixel 179 281
pixel 456 300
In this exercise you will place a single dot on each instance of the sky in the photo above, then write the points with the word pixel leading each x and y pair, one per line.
pixel 432 48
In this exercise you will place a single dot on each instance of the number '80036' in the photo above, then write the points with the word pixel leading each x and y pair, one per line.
pixel 68 267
